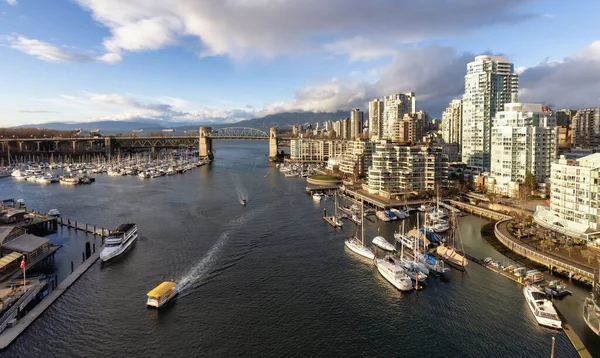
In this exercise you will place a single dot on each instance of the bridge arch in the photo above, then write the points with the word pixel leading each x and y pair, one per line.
pixel 238 133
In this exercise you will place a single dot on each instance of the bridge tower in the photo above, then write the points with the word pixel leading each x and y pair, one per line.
pixel 273 149
pixel 205 142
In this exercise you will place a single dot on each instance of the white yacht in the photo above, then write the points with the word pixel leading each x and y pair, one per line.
pixel 317 196
pixel 542 309
pixel 394 274
pixel 54 212
pixel 382 243
pixel 118 241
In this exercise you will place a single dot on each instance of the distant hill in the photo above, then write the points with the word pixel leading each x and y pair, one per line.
pixel 280 120
pixel 287 119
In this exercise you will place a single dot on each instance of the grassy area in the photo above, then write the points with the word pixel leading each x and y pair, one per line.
pixel 323 177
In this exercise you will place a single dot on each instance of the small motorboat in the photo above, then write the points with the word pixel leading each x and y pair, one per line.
pixel 243 202
pixel 54 212
pixel 382 243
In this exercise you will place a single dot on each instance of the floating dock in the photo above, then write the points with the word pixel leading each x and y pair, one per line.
pixel 331 220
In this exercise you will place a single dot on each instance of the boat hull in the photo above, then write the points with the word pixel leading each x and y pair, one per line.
pixel 402 285
pixel 359 249
pixel 109 255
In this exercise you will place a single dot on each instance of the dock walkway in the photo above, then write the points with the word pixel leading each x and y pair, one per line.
pixel 90 229
pixel 10 334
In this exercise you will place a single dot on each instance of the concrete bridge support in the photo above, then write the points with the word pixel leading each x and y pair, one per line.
pixel 205 142
pixel 273 148
pixel 109 146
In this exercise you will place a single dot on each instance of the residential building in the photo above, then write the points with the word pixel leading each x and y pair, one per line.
pixel 490 83
pixel 451 122
pixel 573 207
pixel 316 150
pixel 564 117
pixel 356 124
pixel 524 140
pixel 399 170
pixel 358 158
pixel 408 129
pixel 345 128
pixel 395 107
pixel 376 108
pixel 586 128
pixel 564 136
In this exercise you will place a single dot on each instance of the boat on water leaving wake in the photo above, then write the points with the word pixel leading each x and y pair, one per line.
pixel 243 202
pixel 161 294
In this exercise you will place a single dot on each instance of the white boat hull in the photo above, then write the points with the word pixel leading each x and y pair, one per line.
pixel 357 247
pixel 403 284
pixel 109 253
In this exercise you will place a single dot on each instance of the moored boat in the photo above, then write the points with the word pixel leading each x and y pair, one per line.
pixel 394 274
pixel 54 212
pixel 382 243
pixel 118 241
pixel 542 309
pixel 161 294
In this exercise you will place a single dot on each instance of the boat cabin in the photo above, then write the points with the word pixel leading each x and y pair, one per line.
pixel 161 294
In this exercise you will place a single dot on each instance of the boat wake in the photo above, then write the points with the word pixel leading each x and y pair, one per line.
pixel 206 265
pixel 241 191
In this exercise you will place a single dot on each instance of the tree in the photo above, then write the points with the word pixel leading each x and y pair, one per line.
pixel 530 183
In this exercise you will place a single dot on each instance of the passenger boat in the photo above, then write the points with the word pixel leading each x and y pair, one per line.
pixel 54 212
pixel 542 309
pixel 118 241
pixel 162 294
pixel 394 274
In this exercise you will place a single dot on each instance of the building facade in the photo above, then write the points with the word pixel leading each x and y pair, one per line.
pixel 490 83
pixel 376 108
pixel 401 170
pixel 451 122
pixel 316 150
pixel 395 107
pixel 358 158
pixel 586 128
pixel 356 124
pixel 524 140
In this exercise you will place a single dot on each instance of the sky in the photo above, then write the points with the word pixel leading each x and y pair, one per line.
pixel 229 60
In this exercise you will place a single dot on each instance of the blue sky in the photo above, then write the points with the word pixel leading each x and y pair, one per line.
pixel 222 61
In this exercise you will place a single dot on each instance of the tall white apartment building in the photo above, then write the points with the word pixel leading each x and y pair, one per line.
pixel 356 124
pixel 490 83
pixel 401 169
pixel 376 108
pixel 451 122
pixel 574 198
pixel 395 107
pixel 524 140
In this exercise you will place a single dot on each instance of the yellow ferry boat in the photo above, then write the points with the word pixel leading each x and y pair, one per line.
pixel 161 294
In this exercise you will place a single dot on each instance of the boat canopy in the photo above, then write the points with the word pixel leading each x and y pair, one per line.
pixel 162 289
pixel 9 258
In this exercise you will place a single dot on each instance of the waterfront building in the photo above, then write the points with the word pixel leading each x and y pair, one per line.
pixel 523 141
pixel 356 124
pixel 573 207
pixel 316 150
pixel 376 108
pixel 586 128
pixel 399 170
pixel 490 83
pixel 451 122
pixel 395 107
pixel 358 158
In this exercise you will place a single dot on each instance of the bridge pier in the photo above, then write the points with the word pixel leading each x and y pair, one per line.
pixel 20 146
pixel 108 146
pixel 205 142
pixel 74 146
pixel 273 148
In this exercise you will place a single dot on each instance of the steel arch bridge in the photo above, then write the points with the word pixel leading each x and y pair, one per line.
pixel 238 133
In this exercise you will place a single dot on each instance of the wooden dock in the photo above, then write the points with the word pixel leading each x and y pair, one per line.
pixel 331 220
pixel 90 229
pixel 10 334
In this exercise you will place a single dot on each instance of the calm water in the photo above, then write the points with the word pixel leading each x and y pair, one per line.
pixel 269 279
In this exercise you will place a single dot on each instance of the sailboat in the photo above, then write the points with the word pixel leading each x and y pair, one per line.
pixel 338 221
pixel 358 246
pixel 433 264
pixel 449 253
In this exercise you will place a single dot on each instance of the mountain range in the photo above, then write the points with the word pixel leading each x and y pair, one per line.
pixel 283 120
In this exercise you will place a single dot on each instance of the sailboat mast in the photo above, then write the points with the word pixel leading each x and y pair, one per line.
pixel 362 222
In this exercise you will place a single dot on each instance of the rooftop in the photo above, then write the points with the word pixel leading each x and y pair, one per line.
pixel 25 243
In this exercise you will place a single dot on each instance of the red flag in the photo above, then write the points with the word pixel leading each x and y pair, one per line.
pixel 23 262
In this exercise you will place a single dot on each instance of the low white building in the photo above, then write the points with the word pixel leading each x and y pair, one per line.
pixel 316 150
pixel 524 140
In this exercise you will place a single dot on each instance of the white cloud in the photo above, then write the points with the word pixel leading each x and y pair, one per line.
pixel 50 53
pixel 268 28
pixel 12 2
pixel 573 81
